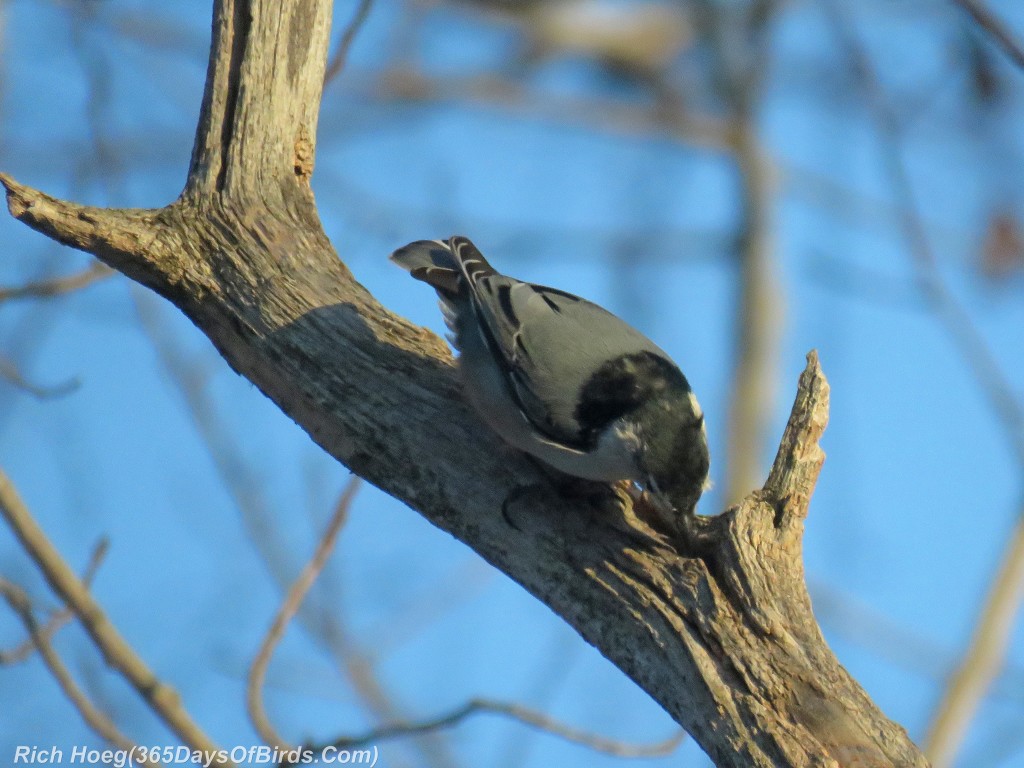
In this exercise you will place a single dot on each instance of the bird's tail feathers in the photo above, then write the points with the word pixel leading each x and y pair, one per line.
pixel 424 253
pixel 432 262
pixel 469 259
pixel 440 263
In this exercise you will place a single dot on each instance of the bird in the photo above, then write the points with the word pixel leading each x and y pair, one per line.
pixel 564 380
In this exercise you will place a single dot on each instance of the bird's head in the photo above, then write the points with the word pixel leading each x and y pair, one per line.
pixel 673 454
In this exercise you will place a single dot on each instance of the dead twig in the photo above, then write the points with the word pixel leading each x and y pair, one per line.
pixel 337 63
pixel 40 639
pixel 160 697
pixel 995 28
pixel 59 617
pixel 290 606
pixel 516 712
pixel 57 286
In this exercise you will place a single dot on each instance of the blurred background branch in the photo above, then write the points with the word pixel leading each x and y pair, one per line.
pixel 986 652
pixel 162 699
pixel 994 27
pixel 292 602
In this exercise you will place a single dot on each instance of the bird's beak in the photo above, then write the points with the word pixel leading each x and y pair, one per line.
pixel 662 504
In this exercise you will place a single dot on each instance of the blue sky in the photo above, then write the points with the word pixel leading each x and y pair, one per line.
pixel 918 493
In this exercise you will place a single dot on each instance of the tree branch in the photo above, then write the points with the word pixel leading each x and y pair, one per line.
pixel 59 617
pixel 984 657
pixel 57 286
pixel 340 58
pixel 40 638
pixel 160 697
pixel 518 713
pixel 290 606
pixel 995 28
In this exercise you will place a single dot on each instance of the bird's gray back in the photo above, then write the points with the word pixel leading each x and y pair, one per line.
pixel 554 344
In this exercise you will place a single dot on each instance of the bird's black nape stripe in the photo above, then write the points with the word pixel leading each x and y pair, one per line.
pixel 622 385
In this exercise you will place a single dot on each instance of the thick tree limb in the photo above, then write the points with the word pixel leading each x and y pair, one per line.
pixel 716 626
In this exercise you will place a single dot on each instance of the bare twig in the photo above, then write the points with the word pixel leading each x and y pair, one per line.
pixel 516 712
pixel 985 654
pixel 160 697
pixel 996 28
pixel 40 638
pixel 987 649
pixel 10 373
pixel 337 63
pixel 507 94
pixel 288 609
pixel 57 286
pixel 59 617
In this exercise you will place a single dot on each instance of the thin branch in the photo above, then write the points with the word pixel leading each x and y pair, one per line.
pixel 9 372
pixel 518 713
pixel 985 655
pixel 996 28
pixel 987 650
pixel 160 697
pixel 93 716
pixel 758 323
pixel 507 94
pixel 59 617
pixel 290 606
pixel 957 321
pixel 337 63
pixel 739 66
pixel 57 286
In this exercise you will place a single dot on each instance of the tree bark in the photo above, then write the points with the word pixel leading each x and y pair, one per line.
pixel 715 624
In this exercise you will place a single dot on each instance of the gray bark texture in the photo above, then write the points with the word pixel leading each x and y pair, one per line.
pixel 714 622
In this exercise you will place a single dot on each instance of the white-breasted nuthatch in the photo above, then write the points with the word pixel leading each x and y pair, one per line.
pixel 564 380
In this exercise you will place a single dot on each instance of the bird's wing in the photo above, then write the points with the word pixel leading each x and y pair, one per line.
pixel 555 347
